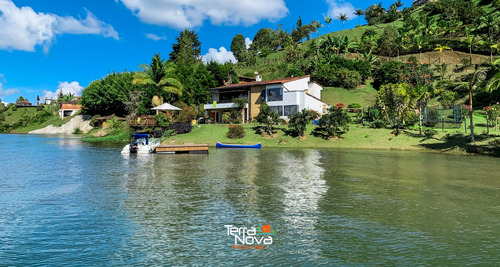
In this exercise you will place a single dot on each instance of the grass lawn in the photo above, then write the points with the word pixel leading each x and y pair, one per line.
pixel 359 137
pixel 12 117
pixel 365 95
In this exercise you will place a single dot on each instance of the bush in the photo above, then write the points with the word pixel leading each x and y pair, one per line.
pixel 235 132
pixel 77 131
pixel 14 108
pixel 114 123
pixel 334 123
pixel 163 119
pixel 354 105
pixel 378 124
pixel 180 127
pixel 349 79
pixel 93 121
pixel 268 118
pixel 390 72
pixel 187 114
pixel 298 122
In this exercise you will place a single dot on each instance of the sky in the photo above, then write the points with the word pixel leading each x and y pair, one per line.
pixel 52 45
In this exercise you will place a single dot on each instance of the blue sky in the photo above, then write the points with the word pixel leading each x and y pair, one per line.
pixel 52 44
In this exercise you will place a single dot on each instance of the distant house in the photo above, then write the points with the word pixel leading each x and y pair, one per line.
pixel 68 109
pixel 285 96
pixel 23 103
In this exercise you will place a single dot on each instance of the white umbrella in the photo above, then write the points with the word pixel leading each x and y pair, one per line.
pixel 165 106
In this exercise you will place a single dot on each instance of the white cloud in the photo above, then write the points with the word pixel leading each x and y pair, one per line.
pixel 4 93
pixel 155 37
pixel 248 42
pixel 221 56
pixel 66 87
pixel 23 28
pixel 335 7
pixel 191 13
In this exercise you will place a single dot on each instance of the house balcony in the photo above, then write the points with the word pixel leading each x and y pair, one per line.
pixel 221 106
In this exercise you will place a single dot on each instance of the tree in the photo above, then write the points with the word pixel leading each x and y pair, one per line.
pixel 268 118
pixel 471 83
pixel 187 50
pixel 238 47
pixel 159 75
pixel 108 95
pixel 328 20
pixel 298 122
pixel 398 4
pixel 390 72
pixel 292 52
pixel 396 102
pixel 389 41
pixel 358 12
pixel 494 76
pixel 343 18
pixel 374 14
pixel 469 40
pixel 441 48
pixel 419 42
pixel 317 25
pixel 237 110
pixel 21 98
pixel 335 123
pixel 262 39
pixel 196 81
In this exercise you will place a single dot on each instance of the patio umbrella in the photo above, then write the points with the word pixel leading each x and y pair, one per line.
pixel 165 106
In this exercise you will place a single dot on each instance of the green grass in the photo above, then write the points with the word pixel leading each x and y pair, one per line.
pixel 117 136
pixel 365 95
pixel 359 137
pixel 16 115
pixel 54 120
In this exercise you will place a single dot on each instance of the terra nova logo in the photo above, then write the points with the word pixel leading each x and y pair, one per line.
pixel 250 237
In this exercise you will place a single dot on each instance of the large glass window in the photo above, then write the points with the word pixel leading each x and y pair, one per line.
pixel 275 94
pixel 277 109
pixel 290 110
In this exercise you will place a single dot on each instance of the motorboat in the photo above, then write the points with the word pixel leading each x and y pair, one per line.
pixel 141 144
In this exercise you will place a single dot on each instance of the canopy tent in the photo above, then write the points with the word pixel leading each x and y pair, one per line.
pixel 165 106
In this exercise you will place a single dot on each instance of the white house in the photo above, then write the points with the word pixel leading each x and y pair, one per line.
pixel 285 96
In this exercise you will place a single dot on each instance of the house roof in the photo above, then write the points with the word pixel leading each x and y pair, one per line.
pixel 259 83
pixel 71 107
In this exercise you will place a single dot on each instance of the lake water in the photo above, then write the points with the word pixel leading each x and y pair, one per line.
pixel 64 202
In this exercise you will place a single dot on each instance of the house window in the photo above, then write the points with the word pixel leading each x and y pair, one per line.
pixel 274 94
pixel 277 109
pixel 290 109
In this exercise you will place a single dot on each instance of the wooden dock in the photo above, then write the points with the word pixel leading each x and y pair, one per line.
pixel 184 148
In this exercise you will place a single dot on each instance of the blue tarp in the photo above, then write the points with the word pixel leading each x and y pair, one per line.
pixel 138 136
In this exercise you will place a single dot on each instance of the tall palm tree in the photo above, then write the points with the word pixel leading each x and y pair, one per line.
pixel 343 18
pixel 469 40
pixel 317 25
pixel 158 74
pixel 328 20
pixel 358 12
pixel 442 48
pixel 471 83
pixel 419 42
pixel 494 74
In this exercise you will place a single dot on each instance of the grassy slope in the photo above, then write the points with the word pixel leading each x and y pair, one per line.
pixel 15 116
pixel 365 95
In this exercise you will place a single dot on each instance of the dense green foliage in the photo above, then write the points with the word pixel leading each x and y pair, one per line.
pixel 238 47
pixel 299 121
pixel 267 118
pixel 334 124
pixel 108 95
pixel 235 132
pixel 187 50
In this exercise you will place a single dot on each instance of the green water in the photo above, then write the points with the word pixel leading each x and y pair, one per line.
pixel 64 202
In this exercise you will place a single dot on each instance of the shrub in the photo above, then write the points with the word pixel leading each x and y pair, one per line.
pixel 298 122
pixel 14 108
pixel 349 79
pixel 378 123
pixel 334 123
pixel 163 119
pixel 180 127
pixel 390 72
pixel 354 105
pixel 187 114
pixel 114 123
pixel 235 132
pixel 93 121
pixel 268 118
pixel 77 131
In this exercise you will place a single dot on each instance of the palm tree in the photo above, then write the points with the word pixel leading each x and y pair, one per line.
pixel 471 84
pixel 342 18
pixel 469 40
pixel 494 74
pixel 398 4
pixel 158 74
pixel 317 25
pixel 328 20
pixel 292 51
pixel 441 48
pixel 419 41
pixel 358 12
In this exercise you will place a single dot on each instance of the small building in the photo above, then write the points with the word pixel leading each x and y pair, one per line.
pixel 266 228
pixel 285 96
pixel 23 103
pixel 68 110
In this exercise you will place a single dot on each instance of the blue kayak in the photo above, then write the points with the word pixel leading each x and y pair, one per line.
pixel 219 145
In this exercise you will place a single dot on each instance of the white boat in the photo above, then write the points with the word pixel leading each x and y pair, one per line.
pixel 141 144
